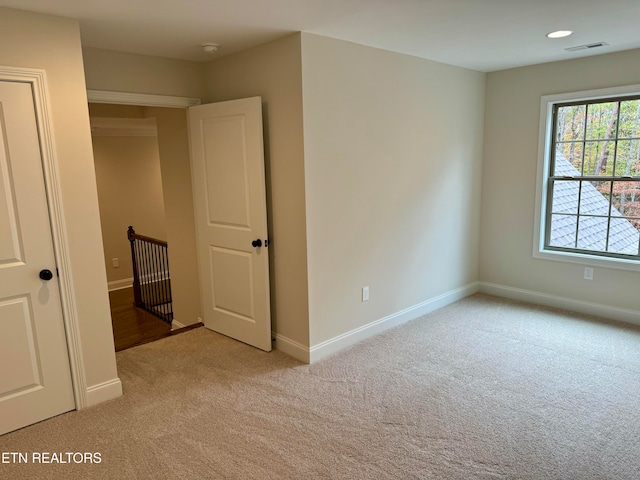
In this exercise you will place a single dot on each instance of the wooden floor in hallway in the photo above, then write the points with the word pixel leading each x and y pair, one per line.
pixel 133 326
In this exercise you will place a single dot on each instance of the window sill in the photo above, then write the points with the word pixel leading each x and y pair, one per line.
pixel 585 259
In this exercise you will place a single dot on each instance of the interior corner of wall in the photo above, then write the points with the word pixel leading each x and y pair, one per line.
pixel 103 392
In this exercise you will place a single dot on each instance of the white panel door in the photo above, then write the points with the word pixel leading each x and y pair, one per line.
pixel 35 378
pixel 227 161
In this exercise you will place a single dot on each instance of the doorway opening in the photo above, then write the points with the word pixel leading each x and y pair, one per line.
pixel 131 192
pixel 228 191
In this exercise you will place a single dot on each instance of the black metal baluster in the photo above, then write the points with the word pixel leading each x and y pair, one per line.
pixel 146 275
pixel 156 290
pixel 151 276
pixel 169 300
pixel 140 271
pixel 163 286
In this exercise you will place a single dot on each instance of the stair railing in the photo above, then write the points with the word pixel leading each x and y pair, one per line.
pixel 151 277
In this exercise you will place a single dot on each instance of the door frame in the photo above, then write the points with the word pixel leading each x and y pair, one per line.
pixel 140 99
pixel 143 100
pixel 37 79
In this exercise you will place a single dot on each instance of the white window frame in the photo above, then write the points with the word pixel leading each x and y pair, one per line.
pixel 544 158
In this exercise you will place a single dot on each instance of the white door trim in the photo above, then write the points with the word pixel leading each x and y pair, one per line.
pixel 37 80
pixel 140 99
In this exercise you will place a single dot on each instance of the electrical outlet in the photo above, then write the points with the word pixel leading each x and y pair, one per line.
pixel 588 273
pixel 365 293
pixel 115 262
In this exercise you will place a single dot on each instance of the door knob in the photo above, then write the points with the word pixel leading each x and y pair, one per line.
pixel 46 275
pixel 257 243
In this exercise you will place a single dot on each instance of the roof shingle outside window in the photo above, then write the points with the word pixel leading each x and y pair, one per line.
pixel 592 231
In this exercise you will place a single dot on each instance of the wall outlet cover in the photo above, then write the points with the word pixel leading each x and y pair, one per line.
pixel 365 293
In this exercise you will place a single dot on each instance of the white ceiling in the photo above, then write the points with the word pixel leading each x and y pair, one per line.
pixel 484 35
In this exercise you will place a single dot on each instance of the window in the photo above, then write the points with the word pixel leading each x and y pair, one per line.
pixel 590 187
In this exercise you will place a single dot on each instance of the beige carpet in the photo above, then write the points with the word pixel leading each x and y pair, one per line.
pixel 482 389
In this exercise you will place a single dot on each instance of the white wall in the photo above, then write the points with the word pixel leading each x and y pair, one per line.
pixel 129 193
pixel 53 44
pixel 128 72
pixel 173 144
pixel 509 180
pixel 393 154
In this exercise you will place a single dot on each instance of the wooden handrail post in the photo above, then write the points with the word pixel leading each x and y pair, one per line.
pixel 137 294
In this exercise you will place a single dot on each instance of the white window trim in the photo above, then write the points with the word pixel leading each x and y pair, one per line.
pixel 544 143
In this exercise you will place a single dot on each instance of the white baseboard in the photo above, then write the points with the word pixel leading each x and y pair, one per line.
pixel 329 347
pixel 604 311
pixel 176 325
pixel 104 391
pixel 291 348
pixel 128 282
pixel 120 284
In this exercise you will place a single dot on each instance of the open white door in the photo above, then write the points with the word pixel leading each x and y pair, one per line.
pixel 35 378
pixel 227 164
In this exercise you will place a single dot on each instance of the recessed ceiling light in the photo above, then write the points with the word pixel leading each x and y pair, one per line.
pixel 559 34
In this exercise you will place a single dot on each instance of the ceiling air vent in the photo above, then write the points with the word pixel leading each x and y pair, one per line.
pixel 586 47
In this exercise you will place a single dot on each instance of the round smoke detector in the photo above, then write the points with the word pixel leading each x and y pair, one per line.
pixel 210 48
